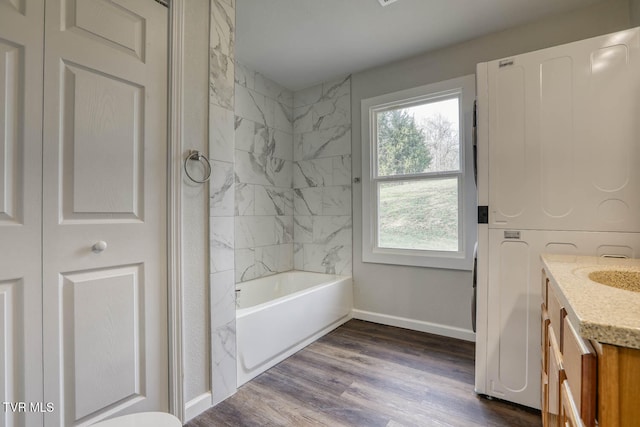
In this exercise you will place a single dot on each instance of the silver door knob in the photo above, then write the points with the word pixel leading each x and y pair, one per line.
pixel 99 246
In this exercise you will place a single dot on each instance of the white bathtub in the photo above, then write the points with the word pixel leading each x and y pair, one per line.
pixel 280 314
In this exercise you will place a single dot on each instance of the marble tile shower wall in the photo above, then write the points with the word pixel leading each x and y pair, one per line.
pixel 221 202
pixel 263 176
pixel 322 178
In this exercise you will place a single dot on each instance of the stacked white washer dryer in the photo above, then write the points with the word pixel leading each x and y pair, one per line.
pixel 558 145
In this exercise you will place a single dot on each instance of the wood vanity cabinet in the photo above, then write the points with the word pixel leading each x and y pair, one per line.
pixel 568 368
pixel 556 377
pixel 579 362
pixel 570 415
pixel 588 383
pixel 618 385
pixel 584 381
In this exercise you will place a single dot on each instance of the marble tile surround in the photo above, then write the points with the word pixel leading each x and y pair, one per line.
pixel 280 191
pixel 263 176
pixel 222 199
pixel 292 177
pixel 323 229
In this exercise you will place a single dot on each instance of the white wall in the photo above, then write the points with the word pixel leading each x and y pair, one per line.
pixel 195 244
pixel 434 299
pixel 208 261
pixel 634 7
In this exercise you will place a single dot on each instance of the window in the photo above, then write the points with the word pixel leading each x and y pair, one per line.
pixel 418 192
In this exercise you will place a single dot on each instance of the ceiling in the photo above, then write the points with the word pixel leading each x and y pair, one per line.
pixel 298 43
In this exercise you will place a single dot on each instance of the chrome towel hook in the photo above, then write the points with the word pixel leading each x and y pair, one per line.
pixel 198 156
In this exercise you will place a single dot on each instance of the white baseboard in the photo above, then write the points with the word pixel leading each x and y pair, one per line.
pixel 197 405
pixel 415 325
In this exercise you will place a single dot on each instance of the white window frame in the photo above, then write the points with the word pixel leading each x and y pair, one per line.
pixel 464 89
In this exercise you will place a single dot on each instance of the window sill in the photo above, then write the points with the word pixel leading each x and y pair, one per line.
pixel 442 260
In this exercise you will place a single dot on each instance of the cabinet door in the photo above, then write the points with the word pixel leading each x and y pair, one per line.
pixel 556 376
pixel 544 341
pixel 545 320
pixel 544 377
pixel 544 288
pixel 570 416
pixel 21 44
pixel 557 314
pixel 579 361
pixel 618 385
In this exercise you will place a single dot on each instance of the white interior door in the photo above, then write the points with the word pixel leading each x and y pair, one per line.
pixel 104 209
pixel 20 209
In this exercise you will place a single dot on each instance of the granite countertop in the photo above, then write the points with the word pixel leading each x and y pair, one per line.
pixel 599 312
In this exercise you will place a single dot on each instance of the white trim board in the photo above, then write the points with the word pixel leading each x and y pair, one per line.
pixel 197 406
pixel 174 222
pixel 415 325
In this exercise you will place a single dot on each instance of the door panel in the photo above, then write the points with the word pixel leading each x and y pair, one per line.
pixel 107 22
pixel 21 45
pixel 11 77
pixel 513 317
pixel 513 337
pixel 556 127
pixel 12 335
pixel 103 118
pixel 105 320
pixel 513 297
pixel 104 309
pixel 610 66
pixel 508 146
pixel 18 6
pixel 563 136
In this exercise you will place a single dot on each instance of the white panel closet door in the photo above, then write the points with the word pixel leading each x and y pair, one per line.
pixel 104 209
pixel 20 208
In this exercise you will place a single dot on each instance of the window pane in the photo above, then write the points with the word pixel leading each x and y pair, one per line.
pixel 419 214
pixel 417 139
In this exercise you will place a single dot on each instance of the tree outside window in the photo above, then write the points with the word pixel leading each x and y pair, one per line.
pixel 418 191
pixel 418 148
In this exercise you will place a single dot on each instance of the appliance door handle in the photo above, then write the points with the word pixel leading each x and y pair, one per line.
pixel 474 274
pixel 474 139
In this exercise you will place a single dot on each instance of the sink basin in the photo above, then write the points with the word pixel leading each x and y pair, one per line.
pixel 621 279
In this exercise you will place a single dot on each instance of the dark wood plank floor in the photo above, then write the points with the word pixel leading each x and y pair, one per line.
pixel 365 374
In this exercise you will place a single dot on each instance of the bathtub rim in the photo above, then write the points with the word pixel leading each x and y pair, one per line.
pixel 241 312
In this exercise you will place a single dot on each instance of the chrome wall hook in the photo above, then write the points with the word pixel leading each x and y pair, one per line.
pixel 199 157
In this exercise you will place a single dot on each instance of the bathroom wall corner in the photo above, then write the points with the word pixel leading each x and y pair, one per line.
pixel 222 199
pixel 323 229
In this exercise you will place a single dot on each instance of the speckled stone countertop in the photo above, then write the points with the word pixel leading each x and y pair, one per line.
pixel 599 312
